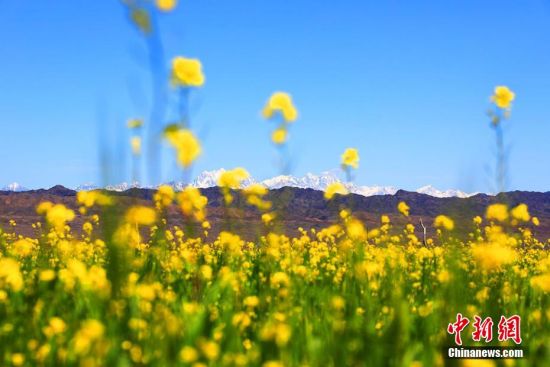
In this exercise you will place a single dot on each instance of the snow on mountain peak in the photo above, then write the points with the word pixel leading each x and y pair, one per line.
pixel 432 191
pixel 14 187
pixel 320 182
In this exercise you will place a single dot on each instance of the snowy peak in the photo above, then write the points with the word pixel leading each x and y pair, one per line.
pixel 309 181
pixel 14 187
pixel 432 191
pixel 123 186
pixel 207 179
pixel 319 182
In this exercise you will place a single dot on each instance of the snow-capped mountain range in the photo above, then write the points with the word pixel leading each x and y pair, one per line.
pixel 310 181
pixel 14 187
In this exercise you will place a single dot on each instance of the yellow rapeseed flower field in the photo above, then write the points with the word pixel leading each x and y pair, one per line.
pixel 131 290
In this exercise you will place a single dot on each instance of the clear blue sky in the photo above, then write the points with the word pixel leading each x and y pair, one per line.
pixel 406 82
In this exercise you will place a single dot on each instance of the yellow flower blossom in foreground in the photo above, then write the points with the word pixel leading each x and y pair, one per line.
pixel 403 208
pixel 279 136
pixel 280 102
pixel 267 218
pixel 141 215
pixel 91 331
pixel 187 72
pixel 493 256
pixel 57 215
pixel 521 213
pixel 498 212
pixel 335 188
pixel 541 282
pixel 192 203
pixel 17 359
pixel 135 145
pixel 23 247
pixel 355 229
pixel 189 354
pixel 187 146
pixel 503 96
pixel 10 275
pixel 254 196
pixel 232 179
pixel 166 5
pixel 442 221
pixel 55 326
pixel 350 158
pixel 164 196
pixel 91 198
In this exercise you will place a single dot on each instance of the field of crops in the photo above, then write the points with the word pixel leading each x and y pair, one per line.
pixel 345 295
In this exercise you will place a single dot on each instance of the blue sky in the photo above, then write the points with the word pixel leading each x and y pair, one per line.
pixel 407 83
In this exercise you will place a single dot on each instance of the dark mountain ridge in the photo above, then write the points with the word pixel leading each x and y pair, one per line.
pixel 299 207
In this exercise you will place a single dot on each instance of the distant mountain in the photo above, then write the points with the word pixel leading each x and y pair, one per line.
pixel 14 187
pixel 301 207
pixel 86 187
pixel 123 186
pixel 432 191
pixel 319 182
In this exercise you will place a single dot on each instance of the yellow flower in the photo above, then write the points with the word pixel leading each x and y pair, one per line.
pixel 232 179
pixel 56 215
pixel 521 213
pixel 90 331
pixel 493 256
pixel 503 96
pixel 192 203
pixel 17 359
pixel 135 144
pixel 187 72
pixel 46 275
pixel 279 279
pixel 442 221
pixel 403 208
pixel 23 247
pixel 280 102
pixel 279 136
pixel 536 221
pixel 10 274
pixel 188 354
pixel 355 229
pixel 206 272
pixel 164 195
pixel 498 212
pixel 254 196
pixel 209 349
pixel 55 326
pixel 335 188
pixel 166 5
pixel 350 158
pixel 141 215
pixel 251 301
pixel 90 198
pixel 541 282
pixel 477 220
pixel 187 146
pixel 268 217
